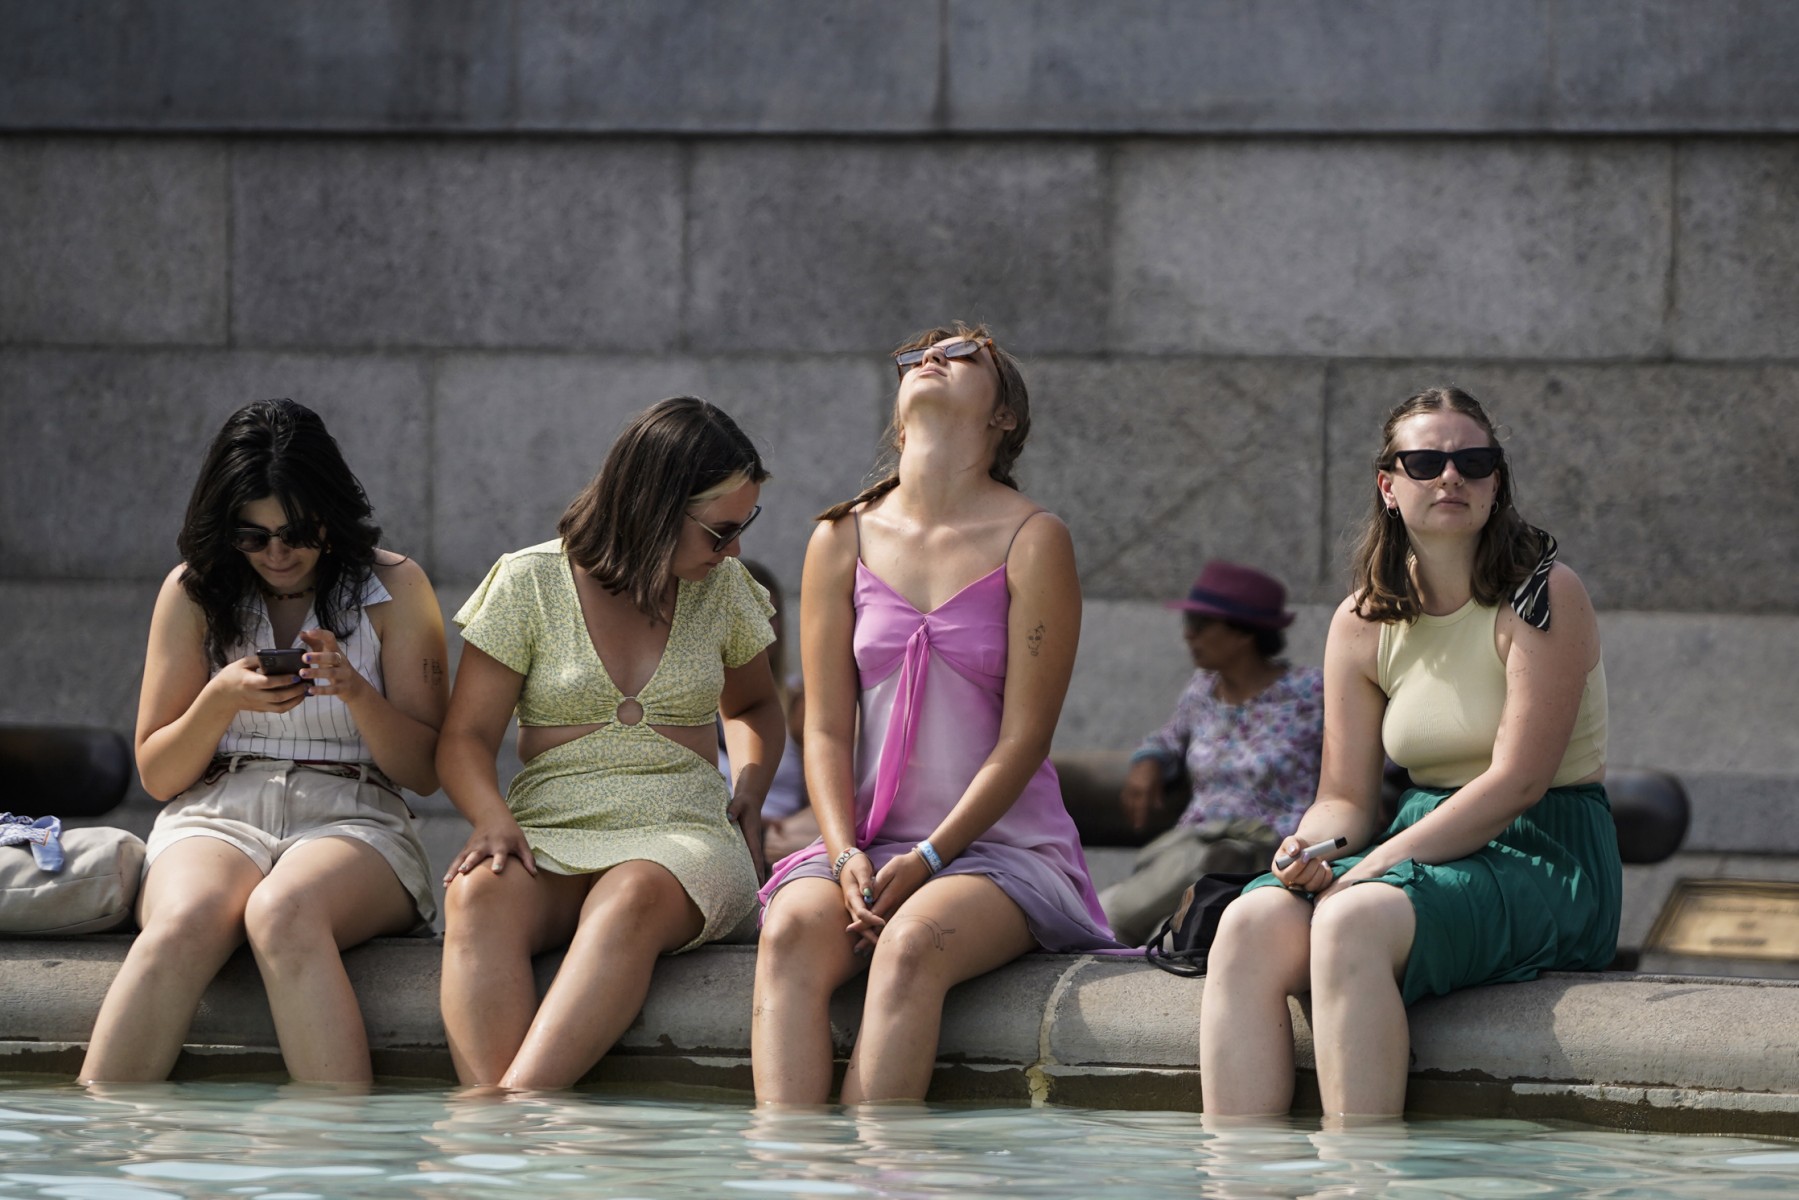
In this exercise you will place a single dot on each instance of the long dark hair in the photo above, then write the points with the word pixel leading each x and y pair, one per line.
pixel 623 526
pixel 1508 551
pixel 1012 397
pixel 281 449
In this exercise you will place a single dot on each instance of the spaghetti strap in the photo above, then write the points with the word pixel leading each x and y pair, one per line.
pixel 1006 557
pixel 856 515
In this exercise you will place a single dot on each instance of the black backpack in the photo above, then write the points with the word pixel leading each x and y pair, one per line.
pixel 1181 946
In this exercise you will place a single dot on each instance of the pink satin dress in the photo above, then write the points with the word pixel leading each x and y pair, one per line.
pixel 932 687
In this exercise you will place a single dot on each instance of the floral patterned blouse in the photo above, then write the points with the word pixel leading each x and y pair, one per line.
pixel 1256 761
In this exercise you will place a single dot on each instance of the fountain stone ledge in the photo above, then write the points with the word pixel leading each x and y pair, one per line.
pixel 1660 1052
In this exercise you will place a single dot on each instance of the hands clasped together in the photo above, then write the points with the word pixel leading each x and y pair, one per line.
pixel 872 897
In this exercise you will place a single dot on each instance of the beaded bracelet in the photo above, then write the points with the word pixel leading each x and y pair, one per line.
pixel 928 852
pixel 837 866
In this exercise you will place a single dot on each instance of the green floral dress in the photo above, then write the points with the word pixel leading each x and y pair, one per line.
pixel 624 791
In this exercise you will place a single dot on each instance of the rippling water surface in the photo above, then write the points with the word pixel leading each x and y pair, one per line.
pixel 148 1142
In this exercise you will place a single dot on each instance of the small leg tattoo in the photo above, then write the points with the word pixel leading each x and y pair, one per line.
pixel 938 932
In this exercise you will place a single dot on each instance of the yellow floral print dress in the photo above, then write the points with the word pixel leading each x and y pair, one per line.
pixel 624 792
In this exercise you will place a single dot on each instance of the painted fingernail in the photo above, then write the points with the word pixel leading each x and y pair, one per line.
pixel 868 896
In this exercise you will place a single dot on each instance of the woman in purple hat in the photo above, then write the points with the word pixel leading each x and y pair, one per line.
pixel 1247 732
pixel 942 609
pixel 1502 861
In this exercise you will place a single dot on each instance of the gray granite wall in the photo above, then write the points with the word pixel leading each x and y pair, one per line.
pixel 1222 237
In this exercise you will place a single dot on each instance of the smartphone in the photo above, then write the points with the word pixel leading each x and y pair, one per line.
pixel 281 662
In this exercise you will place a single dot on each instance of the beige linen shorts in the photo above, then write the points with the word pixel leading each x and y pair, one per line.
pixel 266 806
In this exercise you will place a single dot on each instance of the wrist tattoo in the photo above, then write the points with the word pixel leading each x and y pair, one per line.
pixel 1035 640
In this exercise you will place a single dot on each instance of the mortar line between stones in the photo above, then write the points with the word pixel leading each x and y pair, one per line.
pixel 431 367
pixel 1326 392
pixel 230 172
pixel 940 103
pixel 684 255
pixel 1109 154
pixel 1035 1077
pixel 1670 281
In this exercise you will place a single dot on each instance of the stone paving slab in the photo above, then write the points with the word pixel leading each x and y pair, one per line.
pixel 116 241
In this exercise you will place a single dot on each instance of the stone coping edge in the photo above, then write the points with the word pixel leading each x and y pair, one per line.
pixel 1636 1051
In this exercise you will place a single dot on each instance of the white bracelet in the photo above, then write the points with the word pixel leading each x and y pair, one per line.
pixel 837 867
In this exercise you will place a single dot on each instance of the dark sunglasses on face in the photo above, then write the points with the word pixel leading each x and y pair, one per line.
pixel 252 539
pixel 1475 463
pixel 905 360
pixel 730 533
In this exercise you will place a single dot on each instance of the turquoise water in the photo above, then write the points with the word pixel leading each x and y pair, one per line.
pixel 282 1142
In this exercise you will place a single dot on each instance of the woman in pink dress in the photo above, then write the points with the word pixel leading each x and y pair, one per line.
pixel 939 630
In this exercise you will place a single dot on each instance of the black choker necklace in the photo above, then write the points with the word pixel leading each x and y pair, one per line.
pixel 286 595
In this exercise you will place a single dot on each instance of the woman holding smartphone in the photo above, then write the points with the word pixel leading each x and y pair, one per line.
pixel 941 610
pixel 284 822
pixel 618 645
pixel 1471 658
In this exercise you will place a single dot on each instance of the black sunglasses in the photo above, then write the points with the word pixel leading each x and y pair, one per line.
pixel 1475 463
pixel 253 538
pixel 905 360
pixel 730 533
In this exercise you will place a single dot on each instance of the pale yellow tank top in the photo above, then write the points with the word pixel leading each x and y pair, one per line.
pixel 1445 691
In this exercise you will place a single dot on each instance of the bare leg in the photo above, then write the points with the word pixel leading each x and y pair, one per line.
pixel 324 896
pixel 951 929
pixel 1260 957
pixel 1360 942
pixel 192 914
pixel 803 957
pixel 493 924
pixel 634 913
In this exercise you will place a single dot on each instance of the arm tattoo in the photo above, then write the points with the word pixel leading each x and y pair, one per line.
pixel 1035 640
pixel 434 671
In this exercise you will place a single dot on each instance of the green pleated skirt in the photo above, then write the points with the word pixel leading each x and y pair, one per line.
pixel 1545 895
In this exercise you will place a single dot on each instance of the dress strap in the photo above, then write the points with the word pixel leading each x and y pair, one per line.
pixel 856 516
pixel 1008 554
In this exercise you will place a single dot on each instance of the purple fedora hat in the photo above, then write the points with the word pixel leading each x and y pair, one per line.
pixel 1237 593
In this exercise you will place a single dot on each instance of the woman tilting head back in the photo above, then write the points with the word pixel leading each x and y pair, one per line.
pixel 282 770
pixel 1469 656
pixel 940 614
pixel 618 645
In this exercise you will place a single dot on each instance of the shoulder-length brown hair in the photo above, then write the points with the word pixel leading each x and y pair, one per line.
pixel 1508 550
pixel 623 526
pixel 1012 397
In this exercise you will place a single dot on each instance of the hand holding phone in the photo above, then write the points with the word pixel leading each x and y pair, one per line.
pixel 281 662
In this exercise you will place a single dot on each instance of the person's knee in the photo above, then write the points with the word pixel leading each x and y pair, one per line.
pixel 1259 933
pixel 279 920
pixel 475 904
pixel 637 908
pixel 1368 927
pixel 795 927
pixel 199 918
pixel 908 960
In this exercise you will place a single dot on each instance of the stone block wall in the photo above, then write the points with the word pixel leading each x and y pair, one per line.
pixel 1223 238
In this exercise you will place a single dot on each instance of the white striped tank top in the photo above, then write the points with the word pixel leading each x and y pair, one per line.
pixel 319 728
